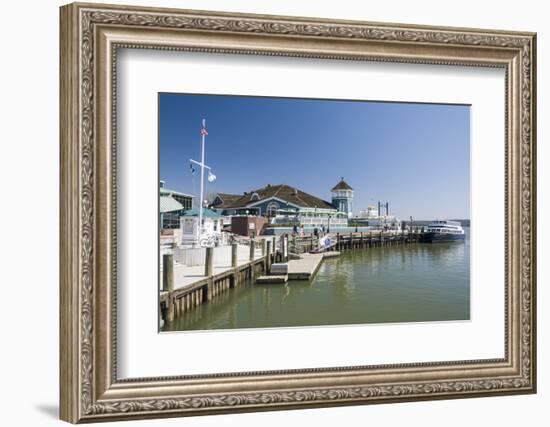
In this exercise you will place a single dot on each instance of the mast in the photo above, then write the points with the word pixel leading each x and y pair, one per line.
pixel 202 165
pixel 203 137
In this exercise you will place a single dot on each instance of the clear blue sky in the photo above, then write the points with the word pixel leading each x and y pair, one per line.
pixel 415 156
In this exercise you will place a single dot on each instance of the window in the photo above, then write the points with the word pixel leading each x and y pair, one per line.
pixel 272 209
pixel 170 220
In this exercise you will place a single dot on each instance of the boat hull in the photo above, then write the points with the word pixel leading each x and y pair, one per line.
pixel 442 237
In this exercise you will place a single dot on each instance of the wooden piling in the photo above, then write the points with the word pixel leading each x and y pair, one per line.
pixel 252 249
pixel 177 309
pixel 268 258
pixel 209 290
pixel 170 309
pixel 168 272
pixel 209 262
pixel 286 249
pixel 234 253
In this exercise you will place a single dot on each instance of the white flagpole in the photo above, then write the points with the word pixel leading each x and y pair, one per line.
pixel 202 181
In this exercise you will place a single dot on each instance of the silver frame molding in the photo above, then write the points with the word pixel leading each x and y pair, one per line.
pixel 90 37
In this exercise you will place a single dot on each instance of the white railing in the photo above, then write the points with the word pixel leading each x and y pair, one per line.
pixel 197 256
pixel 310 220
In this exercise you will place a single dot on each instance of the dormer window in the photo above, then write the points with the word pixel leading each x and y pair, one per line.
pixel 254 197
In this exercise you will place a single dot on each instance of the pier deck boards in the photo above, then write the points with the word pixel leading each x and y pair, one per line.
pixel 304 268
pixel 188 277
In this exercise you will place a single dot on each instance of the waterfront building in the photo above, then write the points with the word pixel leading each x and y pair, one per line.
pixel 370 212
pixel 250 226
pixel 223 201
pixel 210 232
pixel 284 205
pixel 372 217
pixel 342 197
pixel 172 205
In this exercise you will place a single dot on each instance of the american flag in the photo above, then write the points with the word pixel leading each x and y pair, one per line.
pixel 204 131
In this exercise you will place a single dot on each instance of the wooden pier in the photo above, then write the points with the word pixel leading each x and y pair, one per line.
pixel 185 288
pixel 305 267
pixel 358 240
pixel 352 241
pixel 200 284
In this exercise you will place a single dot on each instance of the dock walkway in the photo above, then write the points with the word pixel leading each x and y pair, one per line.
pixel 305 267
pixel 189 276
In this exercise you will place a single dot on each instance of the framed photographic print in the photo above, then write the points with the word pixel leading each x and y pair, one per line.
pixel 265 212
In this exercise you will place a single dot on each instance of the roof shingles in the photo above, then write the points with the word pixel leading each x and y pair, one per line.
pixel 342 185
pixel 227 200
pixel 284 192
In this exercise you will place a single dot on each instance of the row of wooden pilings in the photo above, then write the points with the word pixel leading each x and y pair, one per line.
pixel 357 240
pixel 175 302
pixel 379 239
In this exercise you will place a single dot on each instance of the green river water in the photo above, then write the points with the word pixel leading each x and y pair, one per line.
pixel 411 283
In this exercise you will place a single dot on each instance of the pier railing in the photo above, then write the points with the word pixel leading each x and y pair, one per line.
pixel 377 238
pixel 310 242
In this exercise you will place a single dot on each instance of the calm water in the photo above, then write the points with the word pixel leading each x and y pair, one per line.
pixel 421 282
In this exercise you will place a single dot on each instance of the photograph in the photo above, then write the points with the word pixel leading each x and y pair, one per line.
pixel 299 212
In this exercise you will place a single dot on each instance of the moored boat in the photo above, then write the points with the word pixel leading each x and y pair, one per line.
pixel 444 231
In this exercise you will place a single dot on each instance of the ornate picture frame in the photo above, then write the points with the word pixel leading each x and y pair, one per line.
pixel 90 37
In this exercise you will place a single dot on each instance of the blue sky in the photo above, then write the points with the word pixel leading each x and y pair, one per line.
pixel 415 156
